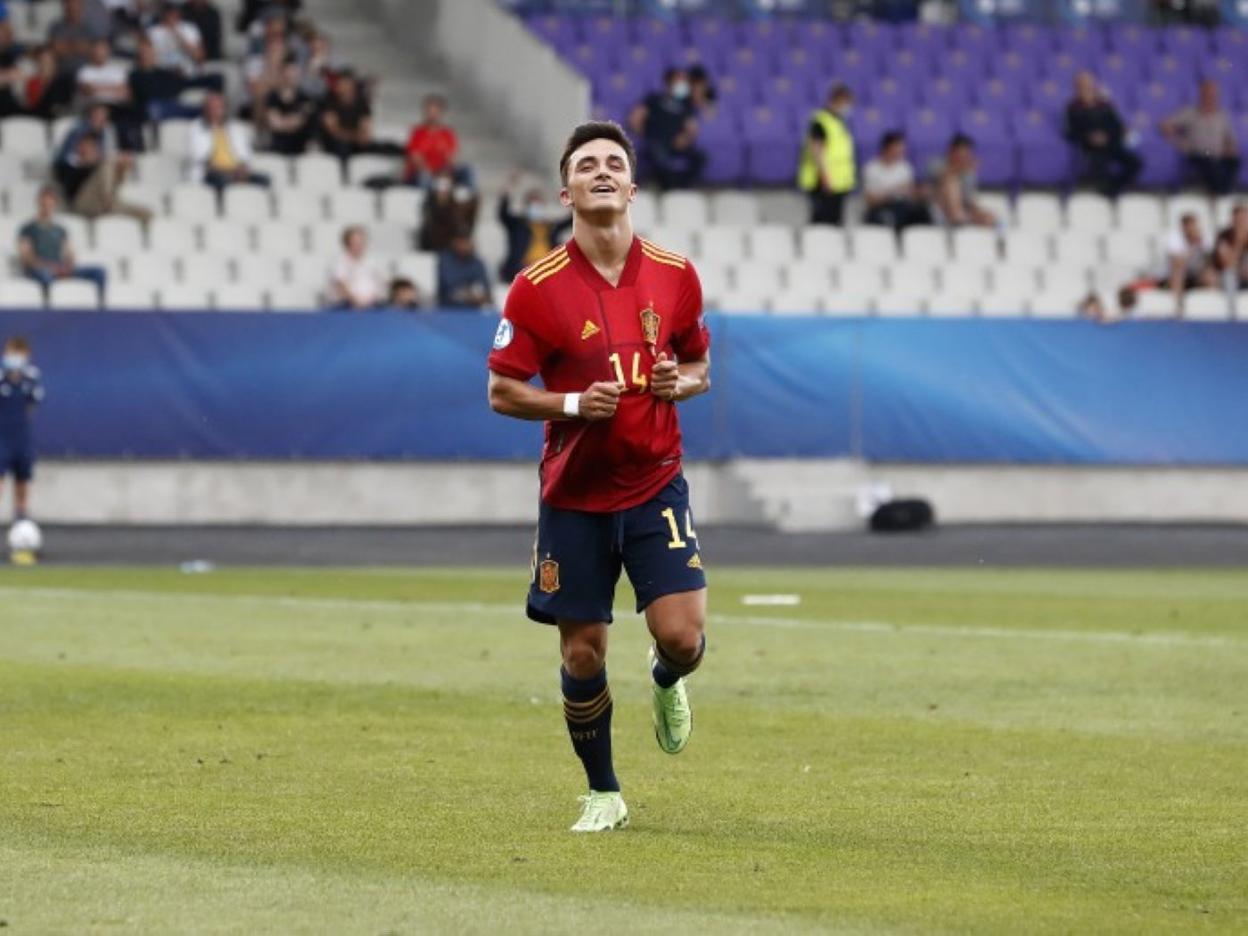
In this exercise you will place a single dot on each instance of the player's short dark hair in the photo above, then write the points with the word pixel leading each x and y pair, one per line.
pixel 890 137
pixel 597 130
pixel 839 91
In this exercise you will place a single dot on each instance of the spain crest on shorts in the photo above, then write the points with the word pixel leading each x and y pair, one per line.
pixel 548 576
pixel 650 325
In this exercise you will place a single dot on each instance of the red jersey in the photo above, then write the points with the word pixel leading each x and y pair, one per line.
pixel 564 321
pixel 437 145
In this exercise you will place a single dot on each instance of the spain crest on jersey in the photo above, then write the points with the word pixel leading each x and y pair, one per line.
pixel 548 576
pixel 650 325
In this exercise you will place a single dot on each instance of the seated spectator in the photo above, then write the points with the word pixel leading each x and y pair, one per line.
pixel 462 280
pixel 447 209
pixel 71 36
pixel 1094 126
pixel 44 250
pixel 1189 259
pixel 667 124
pixel 263 74
pixel 893 197
pixel 154 90
pixel 48 93
pixel 205 17
pixel 433 146
pixel 533 228
pixel 346 119
pixel 827 171
pixel 403 294
pixel 957 186
pixel 90 167
pixel 11 55
pixel 289 113
pixel 179 45
pixel 1230 251
pixel 320 71
pixel 702 93
pixel 1205 136
pixel 356 282
pixel 106 80
pixel 220 151
pixel 253 10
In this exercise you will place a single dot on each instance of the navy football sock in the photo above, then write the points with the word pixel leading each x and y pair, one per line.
pixel 666 670
pixel 587 708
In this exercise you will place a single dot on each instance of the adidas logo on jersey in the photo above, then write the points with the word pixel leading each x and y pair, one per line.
pixel 589 330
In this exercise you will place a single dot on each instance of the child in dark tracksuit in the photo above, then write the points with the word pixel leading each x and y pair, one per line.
pixel 20 390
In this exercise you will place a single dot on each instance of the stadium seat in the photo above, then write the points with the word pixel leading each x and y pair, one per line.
pixel 824 243
pixel 1207 305
pixel 975 245
pixel 771 242
pixel 1065 276
pixel 808 276
pixel 172 236
pixel 421 269
pixel 318 172
pixel 926 245
pixel 1222 208
pixel 226 238
pixel 860 279
pixel 1059 302
pixel 952 303
pixel 247 204
pixel 20 294
pixel 848 304
pixel 160 170
pixel 193 202
pixel 402 205
pixel 722 243
pixel 1134 249
pixel 1038 211
pixel 238 297
pixel 797 302
pixel 278 168
pixel 352 206
pixel 20 196
pixel 1025 246
pixel 154 197
pixel 1199 205
pixel 204 270
pixel 125 297
pixel 309 271
pixel 901 303
pixel 760 275
pixel 388 239
pixel 676 240
pixel 118 235
pixel 739 209
pixel 645 213
pixel 1155 304
pixel 1141 212
pixel 1077 246
pixel 73 294
pixel 491 243
pixel 715 281
pixel 745 299
pixel 360 169
pixel 1005 302
pixel 78 229
pixel 300 205
pixel 260 269
pixel 24 136
pixel 965 279
pixel 999 204
pixel 184 297
pixel 686 210
pixel 1004 277
pixel 280 237
pixel 173 137
pixel 1090 213
pixel 874 245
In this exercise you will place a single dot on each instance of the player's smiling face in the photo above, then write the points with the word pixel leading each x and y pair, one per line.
pixel 600 179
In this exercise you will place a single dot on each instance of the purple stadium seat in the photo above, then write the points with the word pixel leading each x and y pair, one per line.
pixel 1160 99
pixel 736 94
pixel 766 33
pixel 1188 41
pixel 928 131
pixel 999 94
pixel 621 86
pixel 1163 164
pixel 656 29
pixel 593 59
pixel 893 97
pixel 1049 97
pixel 712 31
pixel 1123 90
pixel 930 40
pixel 643 62
pixel 1086 41
pixel 869 126
pixel 771 145
pixel 712 59
pixel 908 66
pixel 1118 67
pixel 1016 67
pixel 1178 70
pixel 1044 158
pixel 801 65
pixel 964 66
pixel 785 93
pixel 1133 39
pixel 945 94
pixel 819 37
pixel 750 64
pixel 993 143
pixel 871 37
pixel 1062 68
pixel 559 31
pixel 974 38
pixel 607 30
pixel 720 135
pixel 1241 132
pixel 1232 43
pixel 853 67
pixel 1030 39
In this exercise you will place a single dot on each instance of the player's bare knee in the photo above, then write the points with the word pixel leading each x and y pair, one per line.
pixel 584 651
pixel 682 643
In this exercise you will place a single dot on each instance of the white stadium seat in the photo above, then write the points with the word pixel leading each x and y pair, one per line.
pixel 1077 246
pixel 360 169
pixel 78 229
pixel 726 244
pixel 20 294
pixel 745 299
pixel 73 294
pixel 683 209
pixel 901 303
pixel 247 203
pixel 193 201
pixel 952 303
pixel 1008 277
pixel 490 240
pixel 1024 246
pixel 227 238
pixel 296 297
pixel 999 204
pixel 352 205
pixel 161 169
pixel 715 280
pixel 24 136
pixel 1207 305
pixel 1065 277
pixel 205 270
pixel 1134 249
pixel 304 206
pixel 174 136
pixel 184 297
pixel 309 270
pixel 1038 211
pixel 875 245
pixel 421 269
pixel 645 213
pixel 675 240
pixel 278 168
pixel 238 297
pixel 318 172
pixel 772 242
pixel 797 302
pixel 967 279
pixel 387 239
pixel 739 209
pixel 823 242
pixel 118 235
pixel 172 236
pixel 1179 205
pixel 260 269
pixel 280 237
pixel 1088 212
pixel 1155 304
pixel 860 279
pixel 845 303
pixel 925 244
pixel 1005 303
pixel 757 275
pixel 976 244
pixel 1138 211
pixel 1059 302
pixel 138 297
pixel 804 276
pixel 402 204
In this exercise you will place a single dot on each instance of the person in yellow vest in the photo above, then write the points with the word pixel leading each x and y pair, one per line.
pixel 827 169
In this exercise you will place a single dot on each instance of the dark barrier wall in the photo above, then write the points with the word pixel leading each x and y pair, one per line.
pixel 387 385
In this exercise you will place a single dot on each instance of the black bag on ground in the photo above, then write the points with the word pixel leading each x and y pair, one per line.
pixel 903 516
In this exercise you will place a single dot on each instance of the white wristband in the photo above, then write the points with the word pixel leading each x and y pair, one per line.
pixel 572 404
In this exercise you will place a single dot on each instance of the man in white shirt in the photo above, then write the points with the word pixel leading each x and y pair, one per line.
pixel 178 44
pixel 893 198
pixel 220 151
pixel 104 80
pixel 1189 259
pixel 355 282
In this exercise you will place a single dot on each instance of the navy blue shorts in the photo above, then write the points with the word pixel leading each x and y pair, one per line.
pixel 578 556
pixel 19 462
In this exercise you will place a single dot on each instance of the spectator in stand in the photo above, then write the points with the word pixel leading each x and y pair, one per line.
pixel 668 127
pixel 448 208
pixel 432 147
pixel 1230 251
pixel 90 168
pixel 702 93
pixel 462 279
pixel 893 197
pixel 154 90
pixel 48 93
pixel 346 120
pixel 533 227
pixel 219 150
pixel 1189 259
pixel 356 282
pixel 1205 135
pixel 71 36
pixel 11 55
pixel 105 80
pixel 403 294
pixel 1094 126
pixel 253 10
pixel 178 44
pixel 205 17
pixel 44 250
pixel 827 170
pixel 289 113
pixel 320 70
pixel 957 186
pixel 263 74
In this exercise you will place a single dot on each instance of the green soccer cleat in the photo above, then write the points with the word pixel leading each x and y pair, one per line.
pixel 602 812
pixel 673 721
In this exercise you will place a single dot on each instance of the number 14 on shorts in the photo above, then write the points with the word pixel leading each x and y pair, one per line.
pixel 676 542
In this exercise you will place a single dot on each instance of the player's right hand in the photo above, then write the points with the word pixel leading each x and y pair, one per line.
pixel 599 400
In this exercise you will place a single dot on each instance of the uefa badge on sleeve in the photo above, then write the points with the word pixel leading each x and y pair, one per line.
pixel 502 337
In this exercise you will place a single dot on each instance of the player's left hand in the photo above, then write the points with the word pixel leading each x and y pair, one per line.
pixel 664 377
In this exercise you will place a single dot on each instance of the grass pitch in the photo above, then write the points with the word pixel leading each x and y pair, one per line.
pixel 382 752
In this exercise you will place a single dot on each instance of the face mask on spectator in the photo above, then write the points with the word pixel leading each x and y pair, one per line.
pixel 539 212
pixel 442 184
pixel 14 362
pixel 680 90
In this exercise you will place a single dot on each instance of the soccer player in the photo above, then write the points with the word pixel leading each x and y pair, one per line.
pixel 20 389
pixel 614 326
